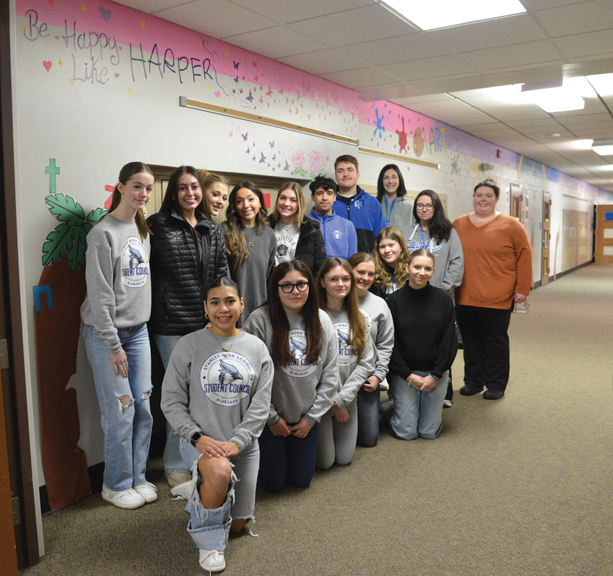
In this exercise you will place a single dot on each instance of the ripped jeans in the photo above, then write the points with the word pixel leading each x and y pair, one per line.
pixel 126 424
pixel 209 528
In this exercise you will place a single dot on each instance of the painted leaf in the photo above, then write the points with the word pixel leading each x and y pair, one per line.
pixel 65 209
pixel 95 215
pixel 58 243
pixel 76 252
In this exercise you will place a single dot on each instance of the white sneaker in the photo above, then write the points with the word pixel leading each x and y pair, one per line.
pixel 446 403
pixel 177 478
pixel 212 560
pixel 182 491
pixel 128 499
pixel 148 491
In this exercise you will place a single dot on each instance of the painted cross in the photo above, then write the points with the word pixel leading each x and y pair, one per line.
pixel 53 171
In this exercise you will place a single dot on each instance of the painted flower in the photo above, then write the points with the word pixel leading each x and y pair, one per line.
pixel 298 159
pixel 317 161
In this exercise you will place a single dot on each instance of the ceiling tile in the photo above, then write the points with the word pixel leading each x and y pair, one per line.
pixel 360 25
pixel 428 68
pixel 488 34
pixel 398 49
pixel 542 4
pixel 284 11
pixel 216 18
pixel 276 42
pixel 576 18
pixel 510 56
pixel 592 43
pixel 450 111
pixel 360 79
pixel 322 62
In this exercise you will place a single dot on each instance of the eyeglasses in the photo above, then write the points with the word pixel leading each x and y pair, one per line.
pixel 424 206
pixel 289 288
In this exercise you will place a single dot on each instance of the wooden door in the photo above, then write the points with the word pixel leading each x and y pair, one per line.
pixel 546 241
pixel 604 234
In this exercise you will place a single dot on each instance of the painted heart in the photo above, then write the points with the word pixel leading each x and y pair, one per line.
pixel 231 134
pixel 106 14
pixel 47 65
pixel 57 37
pixel 217 93
pixel 121 47
pixel 51 2
pixel 116 74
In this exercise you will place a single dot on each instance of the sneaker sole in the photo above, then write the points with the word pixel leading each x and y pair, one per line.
pixel 122 504
pixel 215 569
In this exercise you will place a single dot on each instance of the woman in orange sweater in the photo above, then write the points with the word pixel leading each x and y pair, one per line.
pixel 497 274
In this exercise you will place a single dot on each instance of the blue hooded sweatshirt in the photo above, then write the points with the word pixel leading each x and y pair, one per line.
pixel 339 234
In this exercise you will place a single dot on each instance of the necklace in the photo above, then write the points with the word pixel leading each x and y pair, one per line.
pixel 247 237
pixel 231 343
pixel 287 231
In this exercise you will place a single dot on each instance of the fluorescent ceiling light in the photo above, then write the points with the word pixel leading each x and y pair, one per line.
pixel 603 83
pixel 556 99
pixel 442 13
pixel 603 147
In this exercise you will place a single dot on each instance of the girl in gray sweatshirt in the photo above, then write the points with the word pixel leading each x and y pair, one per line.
pixel 303 345
pixel 114 314
pixel 216 395
pixel 356 357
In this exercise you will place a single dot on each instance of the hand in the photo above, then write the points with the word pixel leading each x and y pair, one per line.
pixel 371 384
pixel 281 428
pixel 231 448
pixel 416 381
pixel 120 363
pixel 428 383
pixel 340 415
pixel 212 448
pixel 301 429
pixel 519 297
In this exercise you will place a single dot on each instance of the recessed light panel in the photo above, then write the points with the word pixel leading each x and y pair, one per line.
pixel 442 13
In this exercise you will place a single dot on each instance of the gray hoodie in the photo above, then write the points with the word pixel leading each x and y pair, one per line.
pixel 381 331
pixel 448 256
pixel 299 389
pixel 224 395
pixel 352 372
pixel 117 276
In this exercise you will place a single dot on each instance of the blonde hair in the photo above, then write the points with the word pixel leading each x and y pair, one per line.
pixel 299 215
pixel 384 272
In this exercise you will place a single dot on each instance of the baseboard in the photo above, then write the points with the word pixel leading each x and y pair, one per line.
pixel 570 271
pixel 95 472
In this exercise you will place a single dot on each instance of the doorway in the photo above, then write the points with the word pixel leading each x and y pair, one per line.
pixel 604 234
pixel 546 238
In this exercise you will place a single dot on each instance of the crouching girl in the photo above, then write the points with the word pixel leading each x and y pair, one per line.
pixel 216 394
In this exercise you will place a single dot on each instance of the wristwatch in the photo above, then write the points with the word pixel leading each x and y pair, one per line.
pixel 195 437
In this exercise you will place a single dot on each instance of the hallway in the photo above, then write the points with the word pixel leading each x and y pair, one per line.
pixel 521 486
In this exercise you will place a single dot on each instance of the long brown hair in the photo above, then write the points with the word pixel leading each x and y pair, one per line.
pixel 357 322
pixel 129 170
pixel 171 198
pixel 383 271
pixel 281 351
pixel 236 241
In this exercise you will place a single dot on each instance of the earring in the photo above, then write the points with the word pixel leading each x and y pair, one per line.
pixel 242 312
pixel 206 315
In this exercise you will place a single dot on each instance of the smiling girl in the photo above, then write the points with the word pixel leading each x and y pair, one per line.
pixel 356 356
pixel 188 252
pixel 250 243
pixel 425 346
pixel 215 193
pixel 216 394
pixel 114 313
pixel 391 257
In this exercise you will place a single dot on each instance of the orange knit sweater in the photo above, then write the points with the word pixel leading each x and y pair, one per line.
pixel 497 262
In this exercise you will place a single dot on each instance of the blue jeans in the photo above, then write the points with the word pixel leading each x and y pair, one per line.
pixel 286 460
pixel 209 527
pixel 336 440
pixel 173 462
pixel 127 428
pixel 415 413
pixel 368 417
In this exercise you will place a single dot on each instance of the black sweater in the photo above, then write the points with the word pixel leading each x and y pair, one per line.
pixel 424 331
pixel 184 260
pixel 310 247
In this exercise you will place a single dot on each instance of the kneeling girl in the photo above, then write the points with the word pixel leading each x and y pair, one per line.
pixel 216 394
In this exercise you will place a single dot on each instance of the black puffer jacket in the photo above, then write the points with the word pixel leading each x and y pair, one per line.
pixel 310 247
pixel 184 260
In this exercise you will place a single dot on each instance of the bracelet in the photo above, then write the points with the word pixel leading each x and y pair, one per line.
pixel 237 446
pixel 411 380
pixel 434 377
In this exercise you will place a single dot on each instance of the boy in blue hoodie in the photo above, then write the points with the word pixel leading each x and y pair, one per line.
pixel 356 205
pixel 339 234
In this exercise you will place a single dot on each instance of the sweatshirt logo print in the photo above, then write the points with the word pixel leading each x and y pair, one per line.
pixel 134 263
pixel 346 354
pixel 337 234
pixel 298 347
pixel 226 378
